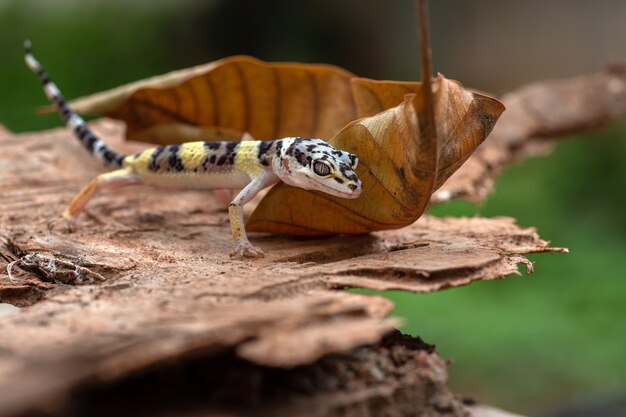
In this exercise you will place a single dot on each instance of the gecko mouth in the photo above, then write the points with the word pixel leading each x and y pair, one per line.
pixel 338 193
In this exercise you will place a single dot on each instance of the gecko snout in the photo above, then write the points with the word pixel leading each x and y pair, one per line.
pixel 355 189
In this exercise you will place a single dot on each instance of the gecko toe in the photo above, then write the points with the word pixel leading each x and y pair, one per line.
pixel 63 225
pixel 254 252
pixel 246 250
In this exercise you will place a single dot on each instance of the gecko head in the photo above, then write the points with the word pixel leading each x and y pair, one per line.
pixel 314 164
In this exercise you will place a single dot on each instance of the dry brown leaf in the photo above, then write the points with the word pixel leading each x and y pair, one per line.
pixel 400 166
pixel 236 94
pixel 243 94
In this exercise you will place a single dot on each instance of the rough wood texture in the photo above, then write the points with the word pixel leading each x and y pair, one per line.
pixel 146 286
pixel 537 114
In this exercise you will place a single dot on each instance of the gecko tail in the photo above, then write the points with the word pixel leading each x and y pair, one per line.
pixel 90 141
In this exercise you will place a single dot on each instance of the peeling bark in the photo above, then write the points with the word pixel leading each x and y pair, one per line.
pixel 146 286
pixel 398 376
pixel 536 116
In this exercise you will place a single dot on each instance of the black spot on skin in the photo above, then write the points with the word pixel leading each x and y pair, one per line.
pixel 294 145
pixel 212 159
pixel 229 156
pixel 154 166
pixel 90 142
pixel 279 146
pixel 347 172
pixel 323 144
pixel 83 134
pixel 213 146
pixel 176 164
pixel 301 157
pixel 107 156
pixel 230 146
pixel 339 180
pixel 262 154
pixel 352 186
pixel 264 147
pixel 97 147
pixel 119 159
pixel 337 153
pixel 65 113
pixel 352 159
pixel 311 148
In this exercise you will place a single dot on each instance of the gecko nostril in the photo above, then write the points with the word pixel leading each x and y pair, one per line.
pixel 352 186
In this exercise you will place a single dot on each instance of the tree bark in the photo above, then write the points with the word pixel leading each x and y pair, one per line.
pixel 143 299
pixel 142 312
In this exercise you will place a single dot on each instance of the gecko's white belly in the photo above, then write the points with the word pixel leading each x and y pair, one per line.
pixel 203 181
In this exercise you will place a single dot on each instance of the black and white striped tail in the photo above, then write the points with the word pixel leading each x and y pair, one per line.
pixel 72 120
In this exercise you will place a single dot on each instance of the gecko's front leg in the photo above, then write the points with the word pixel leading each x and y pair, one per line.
pixel 243 247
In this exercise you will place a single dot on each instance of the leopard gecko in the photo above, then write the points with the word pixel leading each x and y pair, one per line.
pixel 308 163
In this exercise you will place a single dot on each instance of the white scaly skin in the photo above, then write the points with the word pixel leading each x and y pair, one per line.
pixel 311 164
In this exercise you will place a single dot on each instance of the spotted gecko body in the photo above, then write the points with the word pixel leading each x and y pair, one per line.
pixel 312 164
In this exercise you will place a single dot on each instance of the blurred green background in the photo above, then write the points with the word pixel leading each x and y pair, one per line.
pixel 529 344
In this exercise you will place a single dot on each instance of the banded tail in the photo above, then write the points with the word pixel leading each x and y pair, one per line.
pixel 91 142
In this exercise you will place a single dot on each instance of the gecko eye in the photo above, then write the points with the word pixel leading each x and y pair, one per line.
pixel 321 169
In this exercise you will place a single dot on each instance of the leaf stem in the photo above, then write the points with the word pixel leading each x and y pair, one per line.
pixel 426 118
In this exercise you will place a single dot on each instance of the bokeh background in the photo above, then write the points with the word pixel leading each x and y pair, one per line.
pixel 537 345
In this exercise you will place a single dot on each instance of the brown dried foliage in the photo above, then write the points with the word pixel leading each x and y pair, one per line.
pixel 400 164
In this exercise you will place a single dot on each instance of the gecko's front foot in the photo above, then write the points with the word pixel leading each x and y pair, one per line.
pixel 63 224
pixel 246 250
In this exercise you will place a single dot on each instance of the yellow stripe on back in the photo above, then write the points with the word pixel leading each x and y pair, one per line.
pixel 139 162
pixel 247 159
pixel 192 154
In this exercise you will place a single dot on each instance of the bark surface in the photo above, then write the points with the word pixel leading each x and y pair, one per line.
pixel 143 299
